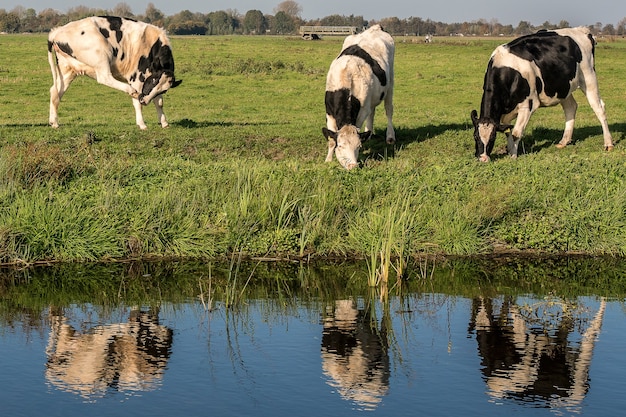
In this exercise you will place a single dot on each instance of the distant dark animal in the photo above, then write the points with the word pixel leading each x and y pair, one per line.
pixel 124 54
pixel 538 70
pixel 358 80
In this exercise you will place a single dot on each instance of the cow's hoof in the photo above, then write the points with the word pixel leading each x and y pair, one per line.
pixel 391 141
pixel 560 146
pixel 608 148
pixel 484 158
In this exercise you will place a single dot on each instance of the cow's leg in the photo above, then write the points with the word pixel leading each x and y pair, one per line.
pixel 139 114
pixel 369 121
pixel 569 108
pixel 514 137
pixel 596 103
pixel 331 149
pixel 391 133
pixel 331 125
pixel 104 76
pixel 58 89
pixel 158 104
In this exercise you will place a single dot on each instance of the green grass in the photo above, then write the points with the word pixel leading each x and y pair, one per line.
pixel 241 169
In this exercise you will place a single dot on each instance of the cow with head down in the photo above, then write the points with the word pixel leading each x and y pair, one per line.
pixel 358 80
pixel 539 70
pixel 130 56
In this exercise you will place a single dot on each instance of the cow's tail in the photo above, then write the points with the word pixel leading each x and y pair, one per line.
pixel 54 65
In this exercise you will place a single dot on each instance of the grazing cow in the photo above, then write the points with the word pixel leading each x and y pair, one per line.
pixel 358 80
pixel 124 54
pixel 538 70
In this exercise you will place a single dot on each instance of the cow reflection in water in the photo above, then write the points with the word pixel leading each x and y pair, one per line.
pixel 523 360
pixel 354 354
pixel 129 356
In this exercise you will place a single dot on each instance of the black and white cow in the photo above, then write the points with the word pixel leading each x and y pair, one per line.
pixel 124 54
pixel 358 80
pixel 538 70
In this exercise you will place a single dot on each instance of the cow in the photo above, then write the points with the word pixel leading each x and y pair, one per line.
pixel 130 56
pixel 538 70
pixel 358 80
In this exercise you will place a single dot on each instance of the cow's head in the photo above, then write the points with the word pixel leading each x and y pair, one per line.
pixel 158 70
pixel 485 131
pixel 157 84
pixel 347 144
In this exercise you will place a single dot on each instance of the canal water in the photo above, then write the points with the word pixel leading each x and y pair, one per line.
pixel 452 338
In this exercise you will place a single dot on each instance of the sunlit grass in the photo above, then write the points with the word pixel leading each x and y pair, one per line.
pixel 240 170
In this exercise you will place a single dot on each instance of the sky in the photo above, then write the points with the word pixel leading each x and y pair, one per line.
pixel 576 12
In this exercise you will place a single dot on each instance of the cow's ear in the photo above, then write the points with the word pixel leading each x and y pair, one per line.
pixel 503 128
pixel 474 117
pixel 329 133
pixel 365 135
pixel 176 83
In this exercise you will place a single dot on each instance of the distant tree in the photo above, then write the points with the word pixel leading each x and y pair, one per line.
pixel 30 21
pixel 597 28
pixel 50 18
pixel 393 25
pixel 122 9
pixel 621 27
pixel 546 25
pixel 290 8
pixel 78 12
pixel 414 25
pixel 187 23
pixel 220 23
pixel 564 24
pixel 609 30
pixel 338 20
pixel 283 23
pixel 523 28
pixel 9 22
pixel 254 22
pixel 154 15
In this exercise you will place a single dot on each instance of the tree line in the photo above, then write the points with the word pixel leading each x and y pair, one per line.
pixel 285 20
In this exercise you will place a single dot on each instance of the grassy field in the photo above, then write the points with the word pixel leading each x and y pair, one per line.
pixel 241 168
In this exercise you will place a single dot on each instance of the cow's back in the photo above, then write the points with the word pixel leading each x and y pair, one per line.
pixel 378 44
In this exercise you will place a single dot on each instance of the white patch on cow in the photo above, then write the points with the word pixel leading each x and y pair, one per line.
pixel 348 144
pixel 486 130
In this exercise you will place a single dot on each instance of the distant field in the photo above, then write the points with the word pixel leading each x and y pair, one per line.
pixel 241 167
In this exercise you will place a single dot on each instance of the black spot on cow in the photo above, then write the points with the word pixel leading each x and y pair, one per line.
pixel 556 56
pixel 343 106
pixel 104 33
pixel 82 33
pixel 159 59
pixel 357 51
pixel 498 80
pixel 123 56
pixel 115 24
pixel 114 51
pixel 65 48
pixel 132 77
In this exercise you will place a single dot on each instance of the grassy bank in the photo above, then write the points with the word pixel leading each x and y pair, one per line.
pixel 241 167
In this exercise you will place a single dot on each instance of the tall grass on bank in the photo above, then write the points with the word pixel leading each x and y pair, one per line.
pixel 241 171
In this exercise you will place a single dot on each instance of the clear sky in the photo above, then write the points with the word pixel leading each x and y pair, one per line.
pixel 576 12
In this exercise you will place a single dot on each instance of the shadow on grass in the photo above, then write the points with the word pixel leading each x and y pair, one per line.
pixel 192 124
pixel 377 148
pixel 542 138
